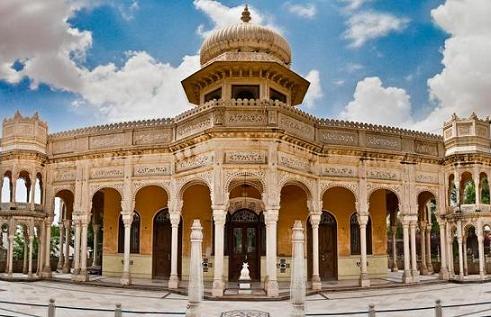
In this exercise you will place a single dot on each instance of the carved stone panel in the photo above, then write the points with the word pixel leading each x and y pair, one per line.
pixel 245 157
pixel 427 178
pixel 293 162
pixel 245 118
pixel 152 137
pixel 194 162
pixel 339 137
pixel 338 171
pixel 65 175
pixel 193 126
pixel 383 142
pixel 62 146
pixel 106 172
pixel 384 174
pixel 105 141
pixel 426 148
pixel 296 127
pixel 152 170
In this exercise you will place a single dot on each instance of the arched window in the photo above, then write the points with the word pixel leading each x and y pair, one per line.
pixel 469 192
pixel 134 234
pixel 6 190
pixel 355 235
pixel 484 189
pixel 38 190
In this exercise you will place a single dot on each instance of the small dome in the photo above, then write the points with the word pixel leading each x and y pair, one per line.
pixel 245 37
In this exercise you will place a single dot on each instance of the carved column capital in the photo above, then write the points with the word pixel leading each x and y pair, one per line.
pixel 315 219
pixel 175 219
pixel 362 219
pixel 271 216
pixel 219 216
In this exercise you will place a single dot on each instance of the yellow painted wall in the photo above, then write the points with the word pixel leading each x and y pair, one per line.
pixel 112 210
pixel 378 213
pixel 149 200
pixel 197 205
pixel 293 206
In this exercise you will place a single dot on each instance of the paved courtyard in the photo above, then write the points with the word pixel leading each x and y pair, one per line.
pixel 155 301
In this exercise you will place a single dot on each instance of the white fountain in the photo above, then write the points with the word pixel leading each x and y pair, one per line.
pixel 195 286
pixel 297 286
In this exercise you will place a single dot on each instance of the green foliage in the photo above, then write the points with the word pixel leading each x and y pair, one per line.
pixel 485 191
pixel 469 193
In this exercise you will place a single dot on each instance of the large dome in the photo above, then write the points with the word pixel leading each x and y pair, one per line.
pixel 246 37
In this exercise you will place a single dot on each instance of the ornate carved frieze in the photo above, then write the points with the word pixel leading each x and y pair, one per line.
pixel 106 172
pixel 351 186
pixel 239 203
pixel 193 126
pixel 245 157
pixel 194 162
pixel 464 129
pixel 384 174
pixel 245 118
pixel 293 162
pixel 427 178
pixel 152 137
pixel 105 141
pixel 296 127
pixel 65 175
pixel 383 142
pixel 426 148
pixel 339 137
pixel 62 146
pixel 152 170
pixel 338 171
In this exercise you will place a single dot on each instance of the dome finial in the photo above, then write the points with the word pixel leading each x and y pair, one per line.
pixel 246 15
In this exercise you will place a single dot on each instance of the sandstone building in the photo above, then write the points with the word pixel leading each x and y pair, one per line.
pixel 247 163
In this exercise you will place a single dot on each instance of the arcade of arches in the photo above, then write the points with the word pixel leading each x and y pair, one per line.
pixel 247 163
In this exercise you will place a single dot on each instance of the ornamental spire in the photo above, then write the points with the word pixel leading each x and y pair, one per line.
pixel 246 15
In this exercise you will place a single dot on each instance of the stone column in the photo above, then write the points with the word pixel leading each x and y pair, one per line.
pixel 175 218
pixel 271 219
pixel 406 276
pixel 394 249
pixel 195 286
pixel 362 221
pixel 480 241
pixel 47 261
pixel 422 246
pixel 444 275
pixel 8 252
pixel 26 242
pixel 61 258
pixel 477 186
pixel 68 234
pixel 219 217
pixel 11 253
pixel 83 276
pixel 461 258
pixel 429 263
pixel 41 242
pixel 450 239
pixel 126 277
pixel 76 255
pixel 464 253
pixel 316 281
pixel 414 265
pixel 297 288
pixel 95 228
pixel 31 240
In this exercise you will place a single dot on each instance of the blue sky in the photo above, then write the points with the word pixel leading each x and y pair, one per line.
pixel 118 42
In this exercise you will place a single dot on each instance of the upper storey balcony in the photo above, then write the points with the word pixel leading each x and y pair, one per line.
pixel 24 134
pixel 21 194
pixel 467 135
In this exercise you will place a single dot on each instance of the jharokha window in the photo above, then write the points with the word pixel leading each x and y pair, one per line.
pixel 245 91
pixel 276 95
pixel 355 235
pixel 215 94
pixel 134 234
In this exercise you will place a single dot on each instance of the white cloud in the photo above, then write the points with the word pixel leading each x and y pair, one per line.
pixel 354 4
pixel 315 89
pixel 307 10
pixel 374 103
pixel 464 85
pixel 353 67
pixel 222 16
pixel 370 25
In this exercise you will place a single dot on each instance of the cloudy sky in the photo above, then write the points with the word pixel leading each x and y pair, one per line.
pixel 404 63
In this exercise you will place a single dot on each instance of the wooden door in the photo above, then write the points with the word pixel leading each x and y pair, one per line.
pixel 327 247
pixel 243 234
pixel 162 239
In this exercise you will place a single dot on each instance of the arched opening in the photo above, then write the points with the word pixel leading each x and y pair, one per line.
pixel 468 189
pixel 452 191
pixel 484 188
pixel 23 187
pixel 4 232
pixel 38 189
pixel 245 92
pixel 62 232
pixel 134 234
pixel 428 238
pixel 471 251
pixel 7 187
pixel 355 241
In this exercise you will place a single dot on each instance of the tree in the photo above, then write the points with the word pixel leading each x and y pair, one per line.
pixel 485 191
pixel 469 193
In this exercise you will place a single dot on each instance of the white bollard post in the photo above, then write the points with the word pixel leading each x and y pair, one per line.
pixel 371 310
pixel 297 286
pixel 51 308
pixel 195 287
pixel 438 308
pixel 117 311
